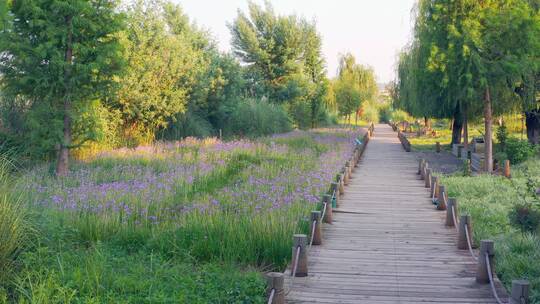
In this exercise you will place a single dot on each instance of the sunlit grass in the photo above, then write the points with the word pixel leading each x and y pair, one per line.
pixel 489 199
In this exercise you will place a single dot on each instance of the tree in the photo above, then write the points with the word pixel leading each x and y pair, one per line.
pixel 354 85
pixel 164 60
pixel 60 55
pixel 283 59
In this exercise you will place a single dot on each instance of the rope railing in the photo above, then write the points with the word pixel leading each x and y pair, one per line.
pixel 271 296
pixel 277 295
pixel 454 219
pixel 491 281
pixel 469 244
pixel 485 273
pixel 313 225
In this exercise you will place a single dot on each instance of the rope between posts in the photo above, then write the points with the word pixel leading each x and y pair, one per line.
pixel 454 217
pixel 295 266
pixel 324 210
pixel 491 282
pixel 271 297
pixel 314 225
pixel 469 245
pixel 433 191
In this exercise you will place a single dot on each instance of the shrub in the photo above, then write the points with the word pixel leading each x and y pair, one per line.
pixel 502 136
pixel 525 216
pixel 257 118
pixel 400 116
pixel 519 150
pixel 385 113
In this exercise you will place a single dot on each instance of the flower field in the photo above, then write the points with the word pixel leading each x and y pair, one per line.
pixel 202 211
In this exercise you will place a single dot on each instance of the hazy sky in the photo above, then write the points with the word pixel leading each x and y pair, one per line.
pixel 372 30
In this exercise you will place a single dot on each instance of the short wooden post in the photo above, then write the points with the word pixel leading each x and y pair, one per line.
pixel 438 147
pixel 317 232
pixel 487 247
pixel 507 173
pixel 434 187
pixel 344 172
pixel 328 214
pixel 275 282
pixel 340 179
pixel 441 201
pixel 520 292
pixel 334 188
pixel 450 209
pixel 465 222
pixel 300 241
pixel 420 166
pixel 356 158
pixel 427 183
pixel 469 167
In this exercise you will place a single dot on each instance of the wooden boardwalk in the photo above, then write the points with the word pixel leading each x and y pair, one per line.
pixel 388 244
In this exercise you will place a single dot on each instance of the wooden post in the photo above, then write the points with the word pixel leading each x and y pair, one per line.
pixel 438 147
pixel 451 208
pixel 423 170
pixel 469 167
pixel 316 220
pixel 427 183
pixel 356 158
pixel 275 281
pixel 441 201
pixel 345 175
pixel 486 247
pixel 434 187
pixel 507 173
pixel 420 166
pixel 520 292
pixel 340 180
pixel 464 220
pixel 334 188
pixel 328 213
pixel 300 241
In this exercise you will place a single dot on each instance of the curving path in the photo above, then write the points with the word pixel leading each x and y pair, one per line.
pixel 388 244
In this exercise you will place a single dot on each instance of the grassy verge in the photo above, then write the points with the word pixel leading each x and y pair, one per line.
pixel 190 222
pixel 489 200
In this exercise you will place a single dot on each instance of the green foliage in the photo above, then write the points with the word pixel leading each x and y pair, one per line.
pixel 519 150
pixel 164 62
pixel 58 56
pixel 283 55
pixel 491 202
pixel 354 85
pixel 256 118
pixel 14 228
pixel 398 116
pixel 502 136
pixel 525 217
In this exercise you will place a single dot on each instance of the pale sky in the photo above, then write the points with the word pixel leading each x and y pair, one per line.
pixel 374 31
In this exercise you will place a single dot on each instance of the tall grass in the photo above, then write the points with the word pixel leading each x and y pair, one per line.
pixel 13 223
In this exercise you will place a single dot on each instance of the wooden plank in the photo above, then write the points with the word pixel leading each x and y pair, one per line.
pixel 387 243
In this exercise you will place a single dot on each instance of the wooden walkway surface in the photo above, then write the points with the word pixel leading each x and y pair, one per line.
pixel 387 243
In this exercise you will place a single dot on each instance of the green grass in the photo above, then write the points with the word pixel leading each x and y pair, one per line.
pixel 190 222
pixel 489 199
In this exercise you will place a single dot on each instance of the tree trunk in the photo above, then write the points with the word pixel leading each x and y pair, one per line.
pixel 427 123
pixel 62 165
pixel 457 125
pixel 465 130
pixel 356 118
pixel 532 122
pixel 488 125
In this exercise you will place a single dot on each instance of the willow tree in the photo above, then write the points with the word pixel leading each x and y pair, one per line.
pixel 354 85
pixel 466 58
pixel 60 55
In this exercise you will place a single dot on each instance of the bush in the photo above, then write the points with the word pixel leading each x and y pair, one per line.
pixel 519 150
pixel 400 116
pixel 502 136
pixel 525 217
pixel 188 124
pixel 371 112
pixel 257 118
pixel 385 113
